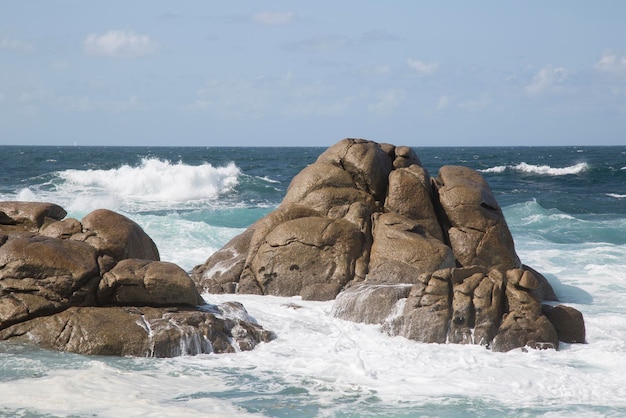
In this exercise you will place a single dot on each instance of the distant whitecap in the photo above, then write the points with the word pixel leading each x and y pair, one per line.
pixel 539 169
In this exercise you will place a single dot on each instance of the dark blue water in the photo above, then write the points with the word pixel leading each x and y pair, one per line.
pixel 577 180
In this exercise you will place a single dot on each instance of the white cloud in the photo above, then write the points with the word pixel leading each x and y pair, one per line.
pixel 273 18
pixel 443 102
pixel 387 101
pixel 612 63
pixel 421 67
pixel 7 44
pixel 475 105
pixel 120 44
pixel 548 79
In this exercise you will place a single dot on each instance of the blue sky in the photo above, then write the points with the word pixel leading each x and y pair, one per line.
pixel 280 73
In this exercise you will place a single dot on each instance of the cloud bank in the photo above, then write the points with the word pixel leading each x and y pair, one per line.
pixel 14 45
pixel 546 80
pixel 119 44
pixel 269 18
pixel 421 67
pixel 612 64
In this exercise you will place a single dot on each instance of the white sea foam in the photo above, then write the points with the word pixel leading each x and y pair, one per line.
pixel 103 390
pixel 323 366
pixel 267 179
pixel 152 185
pixel 184 242
pixel 616 195
pixel 497 169
pixel 552 225
pixel 539 169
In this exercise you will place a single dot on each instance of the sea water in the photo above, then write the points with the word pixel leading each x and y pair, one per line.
pixel 566 208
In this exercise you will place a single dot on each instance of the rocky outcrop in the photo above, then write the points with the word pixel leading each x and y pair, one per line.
pixel 141 331
pixel 431 259
pixel 97 286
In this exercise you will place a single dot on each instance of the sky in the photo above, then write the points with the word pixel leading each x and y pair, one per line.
pixel 309 73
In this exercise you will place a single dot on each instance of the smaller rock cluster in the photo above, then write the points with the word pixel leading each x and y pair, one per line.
pixel 97 287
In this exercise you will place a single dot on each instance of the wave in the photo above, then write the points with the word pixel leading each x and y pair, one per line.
pixel 617 196
pixel 539 169
pixel 531 220
pixel 184 240
pixel 153 184
pixel 267 179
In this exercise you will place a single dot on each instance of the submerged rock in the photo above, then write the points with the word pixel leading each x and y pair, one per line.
pixel 97 286
pixel 431 259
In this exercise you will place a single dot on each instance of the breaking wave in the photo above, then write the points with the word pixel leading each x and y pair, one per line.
pixel 538 169
pixel 153 184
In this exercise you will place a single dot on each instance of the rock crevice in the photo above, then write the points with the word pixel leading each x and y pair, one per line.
pixel 440 247
pixel 97 286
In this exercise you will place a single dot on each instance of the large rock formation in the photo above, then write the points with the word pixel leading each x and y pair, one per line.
pixel 430 259
pixel 98 287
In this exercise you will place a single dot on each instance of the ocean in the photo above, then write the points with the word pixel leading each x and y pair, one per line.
pixel 565 206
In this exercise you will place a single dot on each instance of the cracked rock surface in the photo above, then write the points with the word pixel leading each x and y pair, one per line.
pixel 97 286
pixel 431 259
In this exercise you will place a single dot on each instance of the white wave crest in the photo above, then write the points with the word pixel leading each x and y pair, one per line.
pixel 617 196
pixel 497 169
pixel 267 179
pixel 153 184
pixel 539 169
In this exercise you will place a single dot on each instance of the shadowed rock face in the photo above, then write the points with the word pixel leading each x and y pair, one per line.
pixel 475 225
pixel 98 287
pixel 366 223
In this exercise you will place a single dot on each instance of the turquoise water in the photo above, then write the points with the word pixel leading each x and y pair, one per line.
pixel 566 207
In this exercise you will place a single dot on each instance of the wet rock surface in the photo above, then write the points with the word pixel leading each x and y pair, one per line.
pixel 97 286
pixel 431 259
